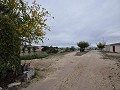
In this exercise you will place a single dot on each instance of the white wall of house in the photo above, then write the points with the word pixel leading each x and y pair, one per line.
pixel 111 48
pixel 107 48
pixel 117 48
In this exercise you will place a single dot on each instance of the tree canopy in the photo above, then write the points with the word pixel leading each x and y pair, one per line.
pixel 29 21
pixel 19 23
pixel 82 45
pixel 101 45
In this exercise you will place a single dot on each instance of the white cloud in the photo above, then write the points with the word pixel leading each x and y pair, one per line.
pixel 78 20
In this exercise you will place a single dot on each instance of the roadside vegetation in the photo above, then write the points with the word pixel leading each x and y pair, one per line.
pixel 20 24
pixel 36 56
pixel 83 45
pixel 111 56
pixel 46 52
pixel 43 67
pixel 101 45
pixel 115 72
pixel 69 49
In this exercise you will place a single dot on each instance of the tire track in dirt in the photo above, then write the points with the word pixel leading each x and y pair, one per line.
pixel 87 72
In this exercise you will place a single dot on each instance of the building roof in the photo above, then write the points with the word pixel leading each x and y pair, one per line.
pixel 115 44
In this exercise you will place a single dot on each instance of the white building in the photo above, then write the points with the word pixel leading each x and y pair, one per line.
pixel 113 47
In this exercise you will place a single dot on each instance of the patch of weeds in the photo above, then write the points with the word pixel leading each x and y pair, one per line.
pixel 111 57
pixel 36 56
pixel 57 55
pixel 81 53
pixel 116 73
pixel 105 55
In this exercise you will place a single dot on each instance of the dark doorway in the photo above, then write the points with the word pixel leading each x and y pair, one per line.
pixel 113 48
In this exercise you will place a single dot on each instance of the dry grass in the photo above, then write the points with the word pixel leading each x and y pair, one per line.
pixel 111 56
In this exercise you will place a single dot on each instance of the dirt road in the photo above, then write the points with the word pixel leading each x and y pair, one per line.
pixel 87 72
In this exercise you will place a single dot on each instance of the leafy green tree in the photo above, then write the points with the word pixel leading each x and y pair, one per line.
pixel 19 23
pixel 101 45
pixel 82 45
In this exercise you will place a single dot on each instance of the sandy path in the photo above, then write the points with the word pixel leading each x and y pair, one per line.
pixel 87 72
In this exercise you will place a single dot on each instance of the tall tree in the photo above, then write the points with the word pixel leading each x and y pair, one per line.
pixel 101 45
pixel 19 23
pixel 82 45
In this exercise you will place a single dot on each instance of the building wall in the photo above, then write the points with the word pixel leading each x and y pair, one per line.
pixel 107 48
pixel 111 48
pixel 117 48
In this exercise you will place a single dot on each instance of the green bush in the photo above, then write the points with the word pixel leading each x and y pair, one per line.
pixel 67 49
pixel 29 49
pixel 45 48
pixel 34 49
pixel 50 49
pixel 23 50
pixel 72 48
pixel 9 51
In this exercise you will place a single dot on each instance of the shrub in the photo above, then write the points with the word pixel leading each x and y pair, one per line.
pixel 45 48
pixel 50 49
pixel 67 49
pixel 29 49
pixel 30 57
pixel 34 49
pixel 72 48
pixel 23 50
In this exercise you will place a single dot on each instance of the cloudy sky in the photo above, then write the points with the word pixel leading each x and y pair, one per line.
pixel 82 20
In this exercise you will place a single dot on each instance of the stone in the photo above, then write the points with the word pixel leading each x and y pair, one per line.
pixel 29 74
pixel 14 86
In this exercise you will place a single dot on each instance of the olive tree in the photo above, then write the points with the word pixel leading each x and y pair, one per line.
pixel 101 45
pixel 82 45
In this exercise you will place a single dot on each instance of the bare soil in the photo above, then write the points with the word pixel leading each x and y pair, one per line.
pixel 69 72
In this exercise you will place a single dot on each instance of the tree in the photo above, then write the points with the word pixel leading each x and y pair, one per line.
pixel 29 50
pixel 34 49
pixel 101 45
pixel 67 49
pixel 23 50
pixel 72 48
pixel 82 45
pixel 19 23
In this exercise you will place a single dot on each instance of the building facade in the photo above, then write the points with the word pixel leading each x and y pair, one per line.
pixel 113 48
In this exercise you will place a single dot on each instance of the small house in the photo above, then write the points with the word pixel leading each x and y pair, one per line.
pixel 113 47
